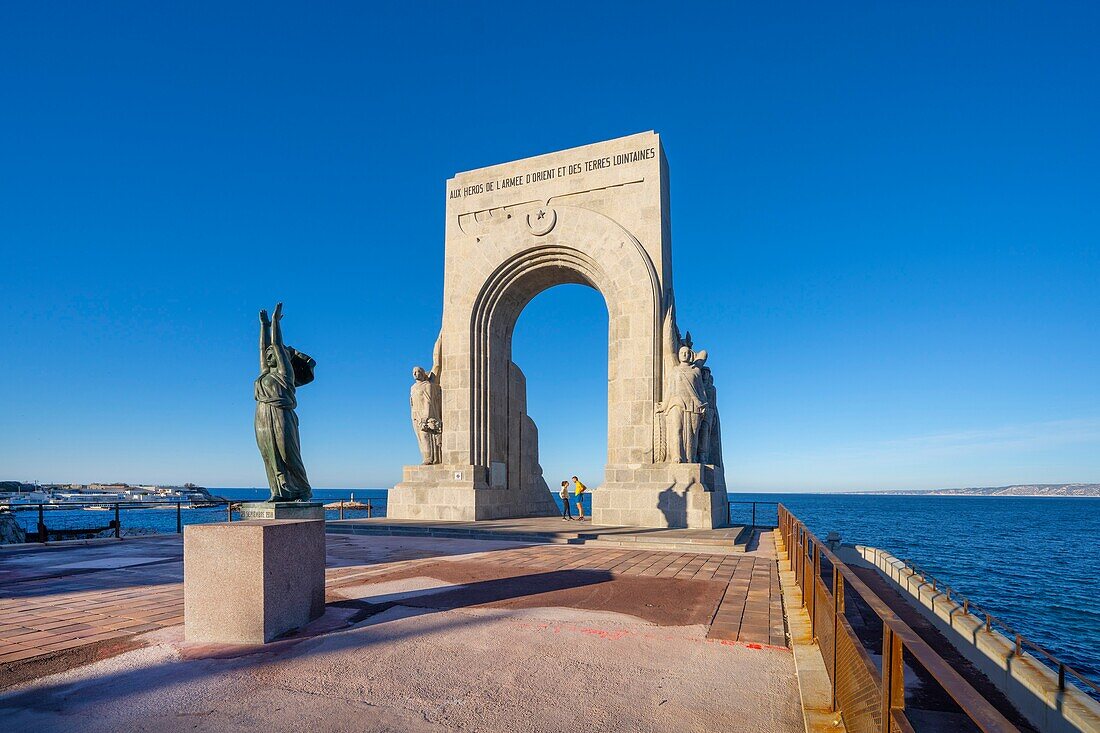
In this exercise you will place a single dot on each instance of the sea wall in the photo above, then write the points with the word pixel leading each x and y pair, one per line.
pixel 1029 684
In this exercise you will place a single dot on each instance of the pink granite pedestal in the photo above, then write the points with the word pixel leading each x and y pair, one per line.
pixel 250 582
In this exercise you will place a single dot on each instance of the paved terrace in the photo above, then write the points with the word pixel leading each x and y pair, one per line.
pixel 419 634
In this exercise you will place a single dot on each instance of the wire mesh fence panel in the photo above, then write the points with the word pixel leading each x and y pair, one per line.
pixel 824 628
pixel 858 689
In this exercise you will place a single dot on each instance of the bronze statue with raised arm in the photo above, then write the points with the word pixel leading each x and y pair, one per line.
pixel 282 371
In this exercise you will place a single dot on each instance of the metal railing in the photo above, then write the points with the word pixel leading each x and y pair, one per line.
pixel 121 510
pixel 991 622
pixel 870 697
pixel 114 527
pixel 371 506
pixel 729 511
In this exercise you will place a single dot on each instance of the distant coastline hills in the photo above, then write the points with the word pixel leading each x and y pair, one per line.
pixel 1089 490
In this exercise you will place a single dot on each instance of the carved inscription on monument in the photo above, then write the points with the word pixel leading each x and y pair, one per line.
pixel 552 173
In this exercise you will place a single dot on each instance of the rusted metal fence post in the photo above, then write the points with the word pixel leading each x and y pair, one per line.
pixel 341 509
pixel 807 568
pixel 179 518
pixel 838 582
pixel 893 675
pixel 796 564
pixel 369 510
pixel 43 533
pixel 801 544
pixel 799 555
pixel 118 523
pixel 815 568
pixel 840 596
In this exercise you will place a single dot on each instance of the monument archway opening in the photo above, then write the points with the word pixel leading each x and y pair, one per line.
pixel 560 344
pixel 596 216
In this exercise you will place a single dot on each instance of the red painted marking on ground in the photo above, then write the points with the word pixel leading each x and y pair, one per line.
pixel 611 635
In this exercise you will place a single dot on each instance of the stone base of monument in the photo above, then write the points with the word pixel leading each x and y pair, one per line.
pixel 252 581
pixel 462 493
pixel 282 510
pixel 691 495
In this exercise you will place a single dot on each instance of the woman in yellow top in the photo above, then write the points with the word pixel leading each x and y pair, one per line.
pixel 578 489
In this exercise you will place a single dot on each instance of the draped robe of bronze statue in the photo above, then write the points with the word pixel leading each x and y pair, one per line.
pixel 283 370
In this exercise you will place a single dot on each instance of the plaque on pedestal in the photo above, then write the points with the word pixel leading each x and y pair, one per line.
pixel 282 510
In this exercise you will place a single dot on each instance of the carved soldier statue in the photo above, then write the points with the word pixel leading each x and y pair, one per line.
pixel 685 406
pixel 685 396
pixel 710 435
pixel 426 402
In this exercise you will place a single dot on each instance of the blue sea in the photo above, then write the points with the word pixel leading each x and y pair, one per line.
pixel 1032 561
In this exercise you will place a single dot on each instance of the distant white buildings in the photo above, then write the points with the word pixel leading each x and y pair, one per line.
pixel 14 493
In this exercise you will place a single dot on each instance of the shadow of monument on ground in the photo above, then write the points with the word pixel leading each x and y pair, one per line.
pixel 486 592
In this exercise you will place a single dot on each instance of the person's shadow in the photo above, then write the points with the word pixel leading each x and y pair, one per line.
pixel 674 506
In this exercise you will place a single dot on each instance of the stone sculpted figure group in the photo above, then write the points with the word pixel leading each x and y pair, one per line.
pixel 689 411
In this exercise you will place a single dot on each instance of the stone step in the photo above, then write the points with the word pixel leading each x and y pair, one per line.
pixel 596 538
pixel 643 540
pixel 446 533
pixel 667 547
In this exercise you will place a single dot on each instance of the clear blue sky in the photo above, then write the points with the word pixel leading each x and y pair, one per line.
pixel 885 215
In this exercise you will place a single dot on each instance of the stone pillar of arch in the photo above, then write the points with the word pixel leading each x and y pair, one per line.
pixel 596 216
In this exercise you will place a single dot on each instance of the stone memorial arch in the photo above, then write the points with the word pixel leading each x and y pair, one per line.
pixel 598 216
